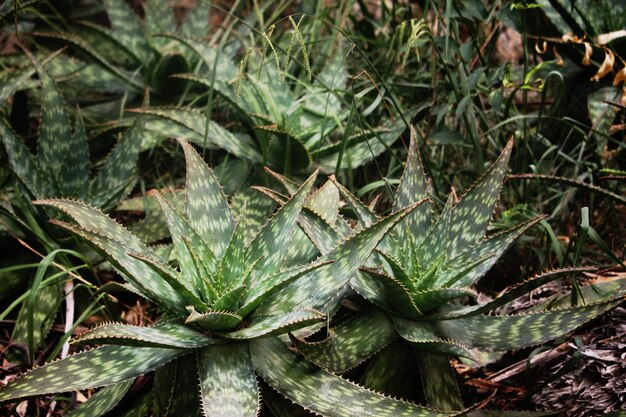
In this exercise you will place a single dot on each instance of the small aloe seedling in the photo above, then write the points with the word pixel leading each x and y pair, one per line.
pixel 420 275
pixel 218 326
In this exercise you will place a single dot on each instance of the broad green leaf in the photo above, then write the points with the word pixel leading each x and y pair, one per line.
pixel 414 187
pixel 489 250
pixel 159 18
pixel 430 299
pixel 173 278
pixel 365 216
pixel 103 401
pixel 13 80
pixel 163 388
pixel 23 164
pixel 270 285
pixel 214 321
pixel 131 81
pixel 322 289
pixel 434 245
pixel 423 335
pixel 206 207
pixel 325 202
pixel 349 343
pixel 196 23
pixel 439 381
pixel 321 392
pixel 518 331
pixel 228 385
pixel 512 292
pixel 263 326
pixel 272 242
pixel 127 29
pixel 141 277
pixel 188 243
pixel 398 298
pixel 91 369
pixel 119 170
pixel 252 210
pixel 167 335
pixel 76 176
pixel 471 215
pixel 324 236
pixel 394 372
pixel 62 155
pixel 185 400
pixel 241 146
pixel 231 299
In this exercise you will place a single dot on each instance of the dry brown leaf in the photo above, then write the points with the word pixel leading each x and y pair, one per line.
pixel 570 37
pixel 559 58
pixel 588 52
pixel 607 65
pixel 620 77
pixel 541 49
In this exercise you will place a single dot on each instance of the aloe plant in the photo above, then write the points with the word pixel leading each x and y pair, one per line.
pixel 216 328
pixel 418 279
pixel 61 168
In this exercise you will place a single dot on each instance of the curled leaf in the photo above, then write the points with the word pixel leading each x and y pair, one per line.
pixel 607 65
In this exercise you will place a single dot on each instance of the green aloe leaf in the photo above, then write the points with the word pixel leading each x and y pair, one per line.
pixel 396 297
pixel 103 401
pixel 423 335
pixel 167 335
pixel 349 343
pixel 206 206
pixel 472 213
pixel 228 385
pixel 23 164
pixel 518 331
pixel 323 288
pixel 263 326
pixel 439 381
pixel 272 242
pixel 63 155
pixel 512 293
pixel 188 243
pixel 127 29
pixel 241 146
pixel 231 299
pixel 430 299
pixel 130 80
pixel 12 80
pixel 91 369
pixel 159 18
pixel 118 173
pixel 414 186
pixel 163 388
pixel 142 279
pixel 173 278
pixel 324 236
pixel 214 321
pixel 365 216
pixel 196 21
pixel 185 401
pixel 321 392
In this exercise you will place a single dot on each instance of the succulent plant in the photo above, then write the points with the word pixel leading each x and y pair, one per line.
pixel 218 327
pixel 420 278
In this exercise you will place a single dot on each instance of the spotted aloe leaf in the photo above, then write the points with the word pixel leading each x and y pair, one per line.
pixel 321 392
pixel 168 335
pixel 206 206
pixel 23 164
pixel 235 393
pixel 91 369
pixel 127 29
pixel 103 401
pixel 195 122
pixel 322 289
pixel 517 331
pixel 118 174
pixel 439 381
pixel 349 343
